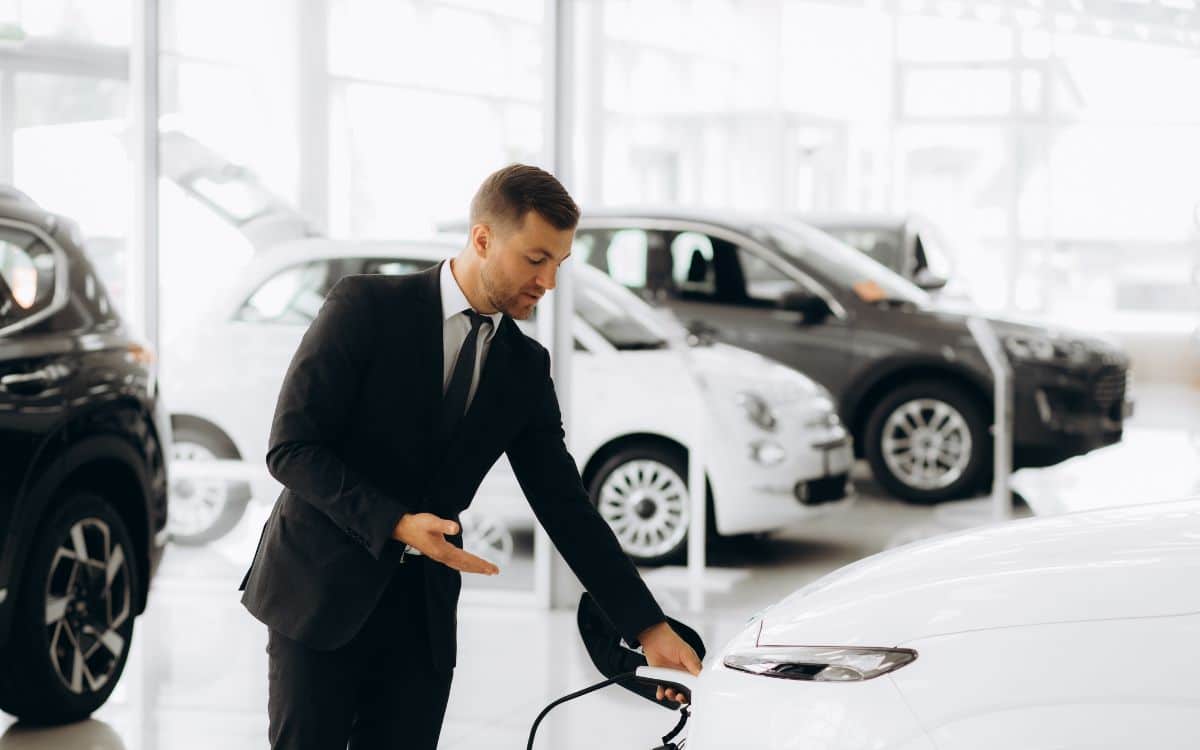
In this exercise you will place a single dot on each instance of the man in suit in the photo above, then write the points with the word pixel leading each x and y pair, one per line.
pixel 402 395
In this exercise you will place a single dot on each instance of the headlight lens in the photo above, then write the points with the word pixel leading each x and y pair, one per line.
pixel 757 410
pixel 820 663
pixel 1037 348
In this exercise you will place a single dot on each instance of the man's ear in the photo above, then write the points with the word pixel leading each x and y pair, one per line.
pixel 481 239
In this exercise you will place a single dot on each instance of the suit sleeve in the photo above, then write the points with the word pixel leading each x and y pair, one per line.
pixel 551 482
pixel 311 418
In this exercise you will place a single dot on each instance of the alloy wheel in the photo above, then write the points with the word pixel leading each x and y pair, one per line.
pixel 196 504
pixel 926 443
pixel 88 601
pixel 646 504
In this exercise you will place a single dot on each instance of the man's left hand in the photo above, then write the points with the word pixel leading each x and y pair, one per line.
pixel 663 647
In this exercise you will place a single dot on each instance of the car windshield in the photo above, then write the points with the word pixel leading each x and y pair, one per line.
pixel 882 245
pixel 840 264
pixel 619 316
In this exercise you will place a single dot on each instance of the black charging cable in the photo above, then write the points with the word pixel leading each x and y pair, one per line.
pixel 667 745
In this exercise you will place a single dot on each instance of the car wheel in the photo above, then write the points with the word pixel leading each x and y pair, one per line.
pixel 73 623
pixel 643 495
pixel 203 510
pixel 487 537
pixel 928 441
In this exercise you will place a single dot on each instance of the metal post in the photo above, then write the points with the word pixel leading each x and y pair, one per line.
pixel 312 19
pixel 554 583
pixel 993 352
pixel 142 258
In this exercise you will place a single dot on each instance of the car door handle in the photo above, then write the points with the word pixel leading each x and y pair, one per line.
pixel 26 383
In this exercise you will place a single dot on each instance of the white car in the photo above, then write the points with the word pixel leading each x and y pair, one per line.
pixel 1074 631
pixel 775 451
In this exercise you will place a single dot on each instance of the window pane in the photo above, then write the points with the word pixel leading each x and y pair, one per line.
pixel 627 258
pixel 292 296
pixel 70 155
pixel 27 275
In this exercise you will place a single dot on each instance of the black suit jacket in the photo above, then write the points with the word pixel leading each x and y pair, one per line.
pixel 352 443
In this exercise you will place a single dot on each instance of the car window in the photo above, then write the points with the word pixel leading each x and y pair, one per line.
pixel 692 264
pixel 394 266
pixel 764 282
pixel 628 257
pixel 292 296
pixel 27 275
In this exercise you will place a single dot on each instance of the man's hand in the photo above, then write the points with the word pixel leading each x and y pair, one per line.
pixel 663 647
pixel 427 533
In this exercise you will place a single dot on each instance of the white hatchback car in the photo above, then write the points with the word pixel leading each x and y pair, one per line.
pixel 776 452
pixel 1074 631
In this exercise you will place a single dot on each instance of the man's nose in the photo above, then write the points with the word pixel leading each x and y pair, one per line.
pixel 546 278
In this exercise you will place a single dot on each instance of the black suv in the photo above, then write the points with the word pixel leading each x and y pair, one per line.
pixel 83 484
pixel 910 380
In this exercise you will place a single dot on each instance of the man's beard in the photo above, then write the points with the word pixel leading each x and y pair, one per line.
pixel 500 297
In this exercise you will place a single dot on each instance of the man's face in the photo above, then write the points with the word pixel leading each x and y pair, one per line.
pixel 520 263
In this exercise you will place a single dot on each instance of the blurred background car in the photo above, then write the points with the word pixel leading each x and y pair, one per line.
pixel 776 451
pixel 910 381
pixel 970 641
pixel 909 244
pixel 83 484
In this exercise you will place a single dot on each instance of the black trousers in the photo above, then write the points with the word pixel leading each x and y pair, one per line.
pixel 380 690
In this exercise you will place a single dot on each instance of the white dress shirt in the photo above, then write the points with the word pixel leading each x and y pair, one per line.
pixel 455 327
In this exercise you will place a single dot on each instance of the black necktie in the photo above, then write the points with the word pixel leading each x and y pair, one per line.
pixel 454 403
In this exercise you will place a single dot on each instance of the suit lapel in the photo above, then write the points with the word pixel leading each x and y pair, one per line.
pixel 429 352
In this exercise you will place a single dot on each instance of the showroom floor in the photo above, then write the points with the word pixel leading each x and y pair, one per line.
pixel 196 674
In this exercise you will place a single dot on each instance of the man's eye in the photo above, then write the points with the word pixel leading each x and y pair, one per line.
pixel 536 262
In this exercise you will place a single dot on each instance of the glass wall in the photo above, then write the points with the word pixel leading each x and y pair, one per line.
pixel 1059 175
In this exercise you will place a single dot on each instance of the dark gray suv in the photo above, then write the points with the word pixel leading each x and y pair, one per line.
pixel 910 380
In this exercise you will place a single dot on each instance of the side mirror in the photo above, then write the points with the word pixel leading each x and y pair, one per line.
pixel 813 308
pixel 928 280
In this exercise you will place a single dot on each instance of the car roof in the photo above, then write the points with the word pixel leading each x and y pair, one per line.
pixel 855 220
pixel 734 221
pixel 17 206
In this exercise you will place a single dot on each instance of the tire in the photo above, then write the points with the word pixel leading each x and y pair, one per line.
pixel 204 510
pixel 949 426
pixel 641 492
pixel 66 608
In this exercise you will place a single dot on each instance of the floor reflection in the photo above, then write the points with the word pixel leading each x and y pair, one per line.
pixel 85 735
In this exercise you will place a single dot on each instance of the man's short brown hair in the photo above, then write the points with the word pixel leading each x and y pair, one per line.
pixel 510 193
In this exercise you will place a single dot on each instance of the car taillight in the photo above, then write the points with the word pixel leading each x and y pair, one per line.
pixel 819 663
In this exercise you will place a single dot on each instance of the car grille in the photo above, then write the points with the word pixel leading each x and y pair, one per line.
pixel 1108 387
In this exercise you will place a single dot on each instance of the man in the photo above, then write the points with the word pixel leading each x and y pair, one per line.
pixel 401 396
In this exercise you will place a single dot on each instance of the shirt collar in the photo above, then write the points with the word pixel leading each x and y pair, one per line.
pixel 453 299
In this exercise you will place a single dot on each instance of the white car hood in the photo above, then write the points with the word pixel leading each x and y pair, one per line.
pixel 730 368
pixel 1141 561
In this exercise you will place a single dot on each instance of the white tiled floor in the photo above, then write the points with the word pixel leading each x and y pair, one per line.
pixel 196 675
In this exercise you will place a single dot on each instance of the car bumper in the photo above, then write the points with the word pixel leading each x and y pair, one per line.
pixel 1056 416
pixel 811 481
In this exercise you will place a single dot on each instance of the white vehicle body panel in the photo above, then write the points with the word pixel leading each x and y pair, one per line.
pixel 1068 632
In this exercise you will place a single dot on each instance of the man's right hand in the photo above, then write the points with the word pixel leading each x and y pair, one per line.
pixel 427 533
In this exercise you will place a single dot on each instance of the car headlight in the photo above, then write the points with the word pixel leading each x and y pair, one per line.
pixel 757 410
pixel 1037 348
pixel 820 663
